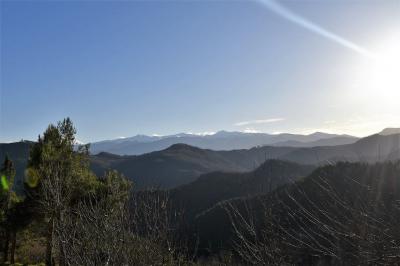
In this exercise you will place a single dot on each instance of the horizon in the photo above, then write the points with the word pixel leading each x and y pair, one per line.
pixel 205 134
pixel 157 68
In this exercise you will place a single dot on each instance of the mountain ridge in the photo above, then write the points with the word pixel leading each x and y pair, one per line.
pixel 221 140
pixel 182 163
pixel 389 131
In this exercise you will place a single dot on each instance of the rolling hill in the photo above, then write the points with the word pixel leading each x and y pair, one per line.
pixel 370 149
pixel 333 141
pixel 214 187
pixel 357 201
pixel 181 164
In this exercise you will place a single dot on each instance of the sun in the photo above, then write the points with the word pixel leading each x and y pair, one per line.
pixel 386 69
pixel 383 75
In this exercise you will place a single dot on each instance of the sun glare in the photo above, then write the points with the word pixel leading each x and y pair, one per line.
pixel 383 76
pixel 387 69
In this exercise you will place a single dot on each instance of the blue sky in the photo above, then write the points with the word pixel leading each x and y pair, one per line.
pixel 119 68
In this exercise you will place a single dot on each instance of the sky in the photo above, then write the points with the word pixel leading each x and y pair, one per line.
pixel 121 68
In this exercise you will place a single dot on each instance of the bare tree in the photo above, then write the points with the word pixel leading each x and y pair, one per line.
pixel 95 231
pixel 116 227
pixel 153 218
pixel 334 219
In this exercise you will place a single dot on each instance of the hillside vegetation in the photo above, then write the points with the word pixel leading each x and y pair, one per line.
pixel 344 214
pixel 61 206
pixel 182 164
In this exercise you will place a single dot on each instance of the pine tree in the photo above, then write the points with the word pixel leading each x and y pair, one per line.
pixel 57 177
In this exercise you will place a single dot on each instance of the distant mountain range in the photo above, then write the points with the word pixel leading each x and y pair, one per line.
pixel 181 163
pixel 222 140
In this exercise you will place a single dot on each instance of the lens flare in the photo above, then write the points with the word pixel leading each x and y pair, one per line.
pixel 4 183
pixel 311 26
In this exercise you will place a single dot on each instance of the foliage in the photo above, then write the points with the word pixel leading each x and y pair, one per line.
pixel 58 176
pixel 88 219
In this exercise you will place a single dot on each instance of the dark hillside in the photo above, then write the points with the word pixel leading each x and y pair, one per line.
pixel 370 149
pixel 353 202
pixel 181 164
pixel 211 188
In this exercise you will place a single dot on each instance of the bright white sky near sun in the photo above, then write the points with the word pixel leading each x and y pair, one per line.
pixel 161 67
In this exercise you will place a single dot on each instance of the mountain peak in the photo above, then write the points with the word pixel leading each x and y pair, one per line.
pixel 180 147
pixel 389 131
pixel 321 134
pixel 108 155
pixel 224 133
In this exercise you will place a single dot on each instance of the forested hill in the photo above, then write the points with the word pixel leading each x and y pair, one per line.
pixel 338 212
pixel 370 149
pixel 214 187
pixel 181 163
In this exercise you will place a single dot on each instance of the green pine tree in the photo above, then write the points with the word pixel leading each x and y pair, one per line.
pixel 57 176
